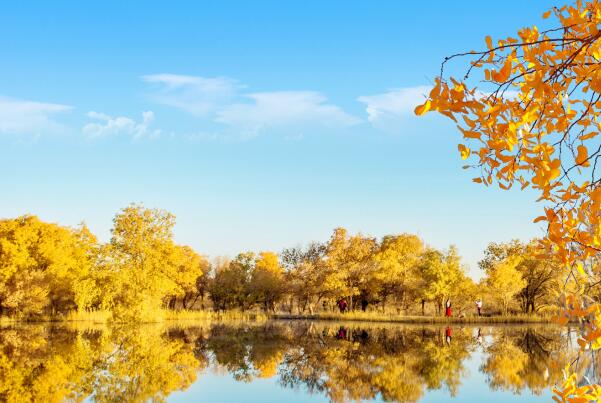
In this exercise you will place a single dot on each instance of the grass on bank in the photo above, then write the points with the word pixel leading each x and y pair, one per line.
pixel 163 315
pixel 100 316
pixel 395 318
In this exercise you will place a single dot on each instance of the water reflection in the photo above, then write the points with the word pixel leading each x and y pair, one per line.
pixel 338 362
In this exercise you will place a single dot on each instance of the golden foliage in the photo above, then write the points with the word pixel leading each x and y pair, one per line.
pixel 534 121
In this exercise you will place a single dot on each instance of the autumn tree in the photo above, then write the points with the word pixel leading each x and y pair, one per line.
pixel 143 261
pixel 307 275
pixel 229 287
pixel 40 264
pixel 504 281
pixel 266 284
pixel 351 259
pixel 542 275
pixel 190 271
pixel 441 273
pixel 397 259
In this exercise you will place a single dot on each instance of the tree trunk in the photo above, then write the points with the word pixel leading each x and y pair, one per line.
pixel 194 302
pixel 423 307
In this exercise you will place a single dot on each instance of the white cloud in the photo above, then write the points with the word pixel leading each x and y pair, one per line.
pixel 392 107
pixel 273 109
pixel 29 117
pixel 108 125
pixel 221 100
pixel 198 96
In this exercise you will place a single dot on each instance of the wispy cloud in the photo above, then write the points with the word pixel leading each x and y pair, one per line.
pixel 272 109
pixel 389 109
pixel 223 101
pixel 106 125
pixel 198 96
pixel 29 117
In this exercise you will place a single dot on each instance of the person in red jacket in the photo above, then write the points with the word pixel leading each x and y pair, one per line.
pixel 342 305
pixel 448 312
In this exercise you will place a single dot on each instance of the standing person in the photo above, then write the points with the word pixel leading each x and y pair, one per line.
pixel 342 305
pixel 479 306
pixel 448 311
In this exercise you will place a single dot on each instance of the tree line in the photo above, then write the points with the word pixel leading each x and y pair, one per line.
pixel 48 269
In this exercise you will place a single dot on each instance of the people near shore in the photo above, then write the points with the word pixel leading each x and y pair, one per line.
pixel 448 311
pixel 448 333
pixel 342 305
pixel 479 306
pixel 479 336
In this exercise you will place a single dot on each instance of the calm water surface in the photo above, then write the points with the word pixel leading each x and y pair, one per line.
pixel 282 362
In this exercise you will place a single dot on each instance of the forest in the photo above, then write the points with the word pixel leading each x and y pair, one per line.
pixel 49 270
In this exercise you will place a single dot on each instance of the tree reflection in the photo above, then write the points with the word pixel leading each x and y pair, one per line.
pixel 521 358
pixel 51 364
pixel 342 362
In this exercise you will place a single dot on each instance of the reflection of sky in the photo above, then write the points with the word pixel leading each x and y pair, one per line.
pixel 475 389
pixel 219 386
pixel 212 387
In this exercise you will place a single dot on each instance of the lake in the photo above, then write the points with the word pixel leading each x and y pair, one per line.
pixel 281 361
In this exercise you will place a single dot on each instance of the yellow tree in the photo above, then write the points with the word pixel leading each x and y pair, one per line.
pixel 397 259
pixel 143 260
pixel 266 280
pixel 504 281
pixel 351 259
pixel 40 263
pixel 307 275
pixel 441 274
pixel 229 288
pixel 190 270
pixel 534 121
pixel 542 275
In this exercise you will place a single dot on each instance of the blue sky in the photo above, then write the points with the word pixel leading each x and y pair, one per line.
pixel 261 124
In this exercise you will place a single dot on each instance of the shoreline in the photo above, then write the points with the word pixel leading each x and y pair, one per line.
pixel 251 317
pixel 382 318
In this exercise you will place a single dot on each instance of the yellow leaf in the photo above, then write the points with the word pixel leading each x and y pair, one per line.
pixel 580 269
pixel 582 156
pixel 421 109
pixel 502 75
pixel 589 136
pixel 488 41
pixel 464 151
